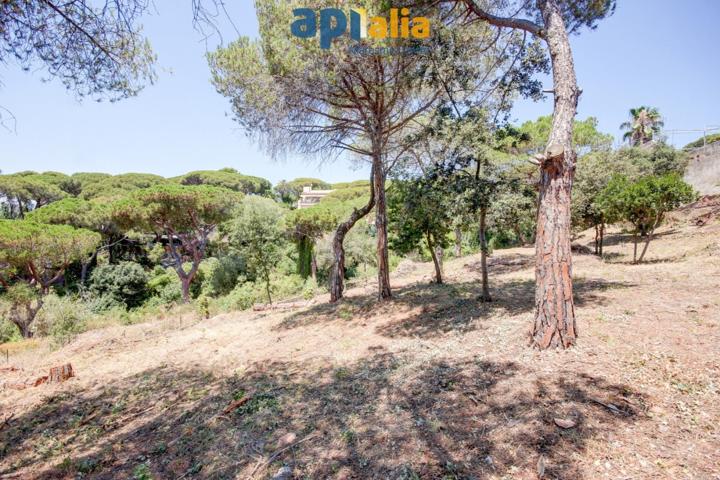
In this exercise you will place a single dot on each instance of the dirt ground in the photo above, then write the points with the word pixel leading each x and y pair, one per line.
pixel 430 385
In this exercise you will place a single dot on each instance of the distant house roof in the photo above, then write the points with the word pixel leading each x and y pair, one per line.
pixel 310 197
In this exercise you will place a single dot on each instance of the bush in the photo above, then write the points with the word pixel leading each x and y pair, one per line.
pixel 8 331
pixel 242 297
pixel 62 319
pixel 284 286
pixel 246 294
pixel 164 286
pixel 220 274
pixel 103 303
pixel 309 289
pixel 125 283
pixel 702 141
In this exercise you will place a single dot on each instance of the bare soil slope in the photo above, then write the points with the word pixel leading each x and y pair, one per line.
pixel 429 385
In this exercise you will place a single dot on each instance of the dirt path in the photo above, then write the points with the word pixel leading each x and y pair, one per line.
pixel 430 385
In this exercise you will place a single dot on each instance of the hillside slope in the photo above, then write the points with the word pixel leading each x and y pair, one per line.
pixel 429 385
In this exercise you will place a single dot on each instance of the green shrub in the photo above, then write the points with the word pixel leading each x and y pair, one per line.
pixel 8 331
pixel 702 141
pixel 203 307
pixel 164 286
pixel 284 286
pixel 62 319
pixel 242 297
pixel 220 274
pixel 103 303
pixel 170 293
pixel 156 254
pixel 125 282
pixel 309 289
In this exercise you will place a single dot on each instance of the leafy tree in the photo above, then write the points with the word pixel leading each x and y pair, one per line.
pixel 185 216
pixel 258 233
pixel 305 226
pixel 227 178
pixel 352 202
pixel 658 159
pixel 420 213
pixel 125 283
pixel 644 203
pixel 596 169
pixel 299 97
pixel 64 182
pixel 586 136
pixel 289 192
pixel 316 100
pixel 117 186
pixel 95 215
pixel 22 192
pixel 85 179
pixel 644 125
pixel 33 257
pixel 593 176
pixel 94 48
pixel 552 21
pixel 514 209
pixel 459 146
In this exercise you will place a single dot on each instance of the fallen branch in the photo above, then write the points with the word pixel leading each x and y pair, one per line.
pixel 609 406
pixel 234 405
pixel 129 417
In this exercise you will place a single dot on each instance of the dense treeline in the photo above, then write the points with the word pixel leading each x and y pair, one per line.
pixel 128 245
pixel 92 247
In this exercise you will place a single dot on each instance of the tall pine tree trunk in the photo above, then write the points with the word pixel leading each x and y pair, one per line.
pixel 337 274
pixel 597 239
pixel 485 295
pixel 383 262
pixel 554 324
pixel 313 266
pixel 458 241
pixel 435 259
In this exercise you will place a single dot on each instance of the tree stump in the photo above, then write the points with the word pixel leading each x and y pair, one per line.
pixel 61 373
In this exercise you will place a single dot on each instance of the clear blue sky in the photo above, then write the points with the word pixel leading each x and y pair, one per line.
pixel 662 53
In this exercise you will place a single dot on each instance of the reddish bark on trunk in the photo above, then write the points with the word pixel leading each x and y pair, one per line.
pixel 337 275
pixel 435 258
pixel 383 262
pixel 554 324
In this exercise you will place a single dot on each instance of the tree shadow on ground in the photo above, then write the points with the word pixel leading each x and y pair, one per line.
pixel 627 259
pixel 503 264
pixel 381 417
pixel 613 239
pixel 430 310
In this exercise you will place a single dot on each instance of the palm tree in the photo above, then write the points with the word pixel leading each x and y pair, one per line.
pixel 645 123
